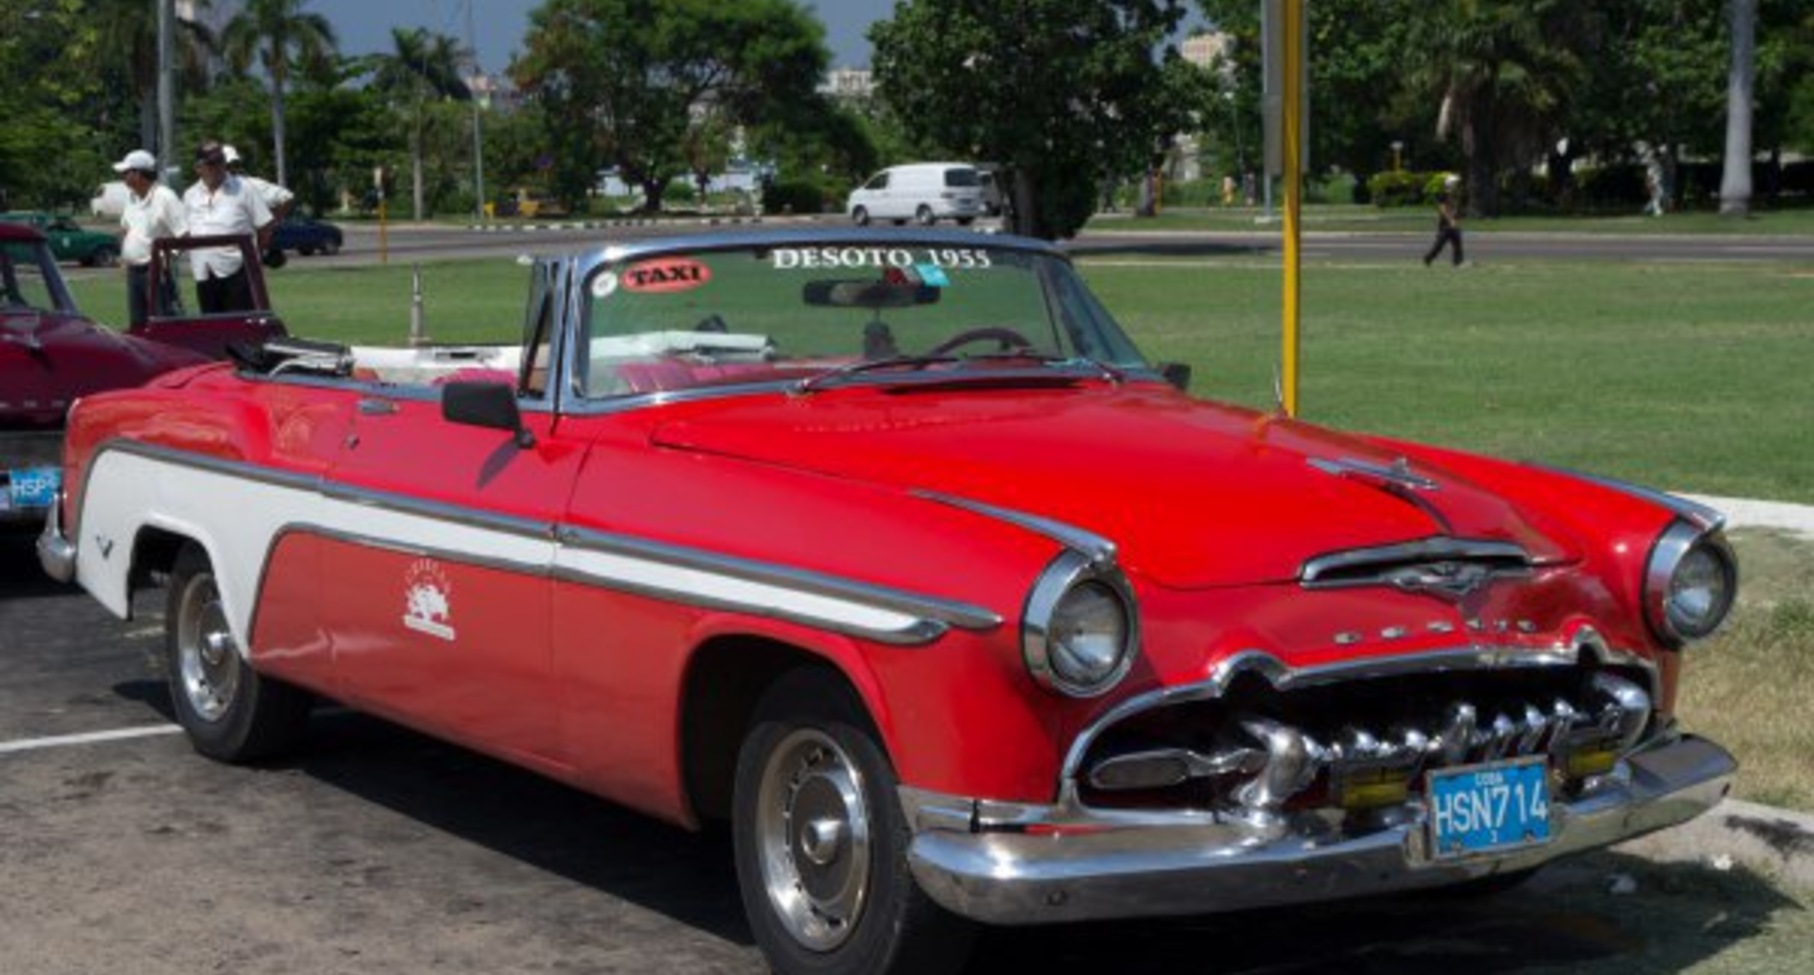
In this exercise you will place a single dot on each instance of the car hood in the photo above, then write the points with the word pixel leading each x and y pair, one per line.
pixel 1193 494
pixel 47 359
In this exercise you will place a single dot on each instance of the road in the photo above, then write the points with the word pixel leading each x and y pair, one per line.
pixel 375 849
pixel 416 242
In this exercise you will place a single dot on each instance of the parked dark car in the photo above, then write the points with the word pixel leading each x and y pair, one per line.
pixel 69 241
pixel 306 236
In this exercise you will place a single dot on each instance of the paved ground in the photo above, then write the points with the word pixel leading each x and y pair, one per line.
pixel 378 850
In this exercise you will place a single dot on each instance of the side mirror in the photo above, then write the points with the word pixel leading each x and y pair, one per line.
pixel 485 404
pixel 1176 373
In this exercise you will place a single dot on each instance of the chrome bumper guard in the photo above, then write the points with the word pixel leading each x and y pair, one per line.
pixel 55 553
pixel 1004 863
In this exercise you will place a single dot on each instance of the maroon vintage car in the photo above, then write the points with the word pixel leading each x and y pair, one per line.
pixel 50 354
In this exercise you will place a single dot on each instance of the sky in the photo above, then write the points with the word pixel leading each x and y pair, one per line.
pixel 364 26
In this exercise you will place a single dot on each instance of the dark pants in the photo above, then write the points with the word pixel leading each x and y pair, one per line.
pixel 138 304
pixel 231 293
pixel 1445 234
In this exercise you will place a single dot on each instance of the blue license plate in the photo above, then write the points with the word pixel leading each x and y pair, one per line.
pixel 33 487
pixel 1485 808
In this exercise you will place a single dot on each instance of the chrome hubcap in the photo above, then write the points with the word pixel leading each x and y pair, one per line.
pixel 812 831
pixel 206 656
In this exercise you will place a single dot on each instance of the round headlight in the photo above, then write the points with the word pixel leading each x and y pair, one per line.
pixel 1690 585
pixel 1079 631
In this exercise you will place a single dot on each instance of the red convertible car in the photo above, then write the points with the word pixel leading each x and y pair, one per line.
pixel 892 551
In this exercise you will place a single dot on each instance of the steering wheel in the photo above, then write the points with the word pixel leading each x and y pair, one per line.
pixel 1009 339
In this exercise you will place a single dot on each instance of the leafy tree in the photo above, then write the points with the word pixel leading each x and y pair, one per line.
pixel 421 66
pixel 127 44
pixel 280 36
pixel 52 104
pixel 1063 93
pixel 1503 72
pixel 633 82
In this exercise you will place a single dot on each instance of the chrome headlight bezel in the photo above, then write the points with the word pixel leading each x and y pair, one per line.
pixel 1070 575
pixel 1672 551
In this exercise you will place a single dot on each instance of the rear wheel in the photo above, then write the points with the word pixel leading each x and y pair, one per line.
pixel 103 256
pixel 821 843
pixel 923 216
pixel 230 711
pixel 330 248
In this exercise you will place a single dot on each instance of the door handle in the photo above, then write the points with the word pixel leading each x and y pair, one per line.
pixel 370 406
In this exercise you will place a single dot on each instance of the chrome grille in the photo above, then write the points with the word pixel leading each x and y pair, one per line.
pixel 1260 750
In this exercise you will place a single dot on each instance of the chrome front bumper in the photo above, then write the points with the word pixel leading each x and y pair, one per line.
pixel 1017 864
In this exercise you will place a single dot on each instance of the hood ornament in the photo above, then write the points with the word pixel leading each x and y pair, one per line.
pixel 1398 473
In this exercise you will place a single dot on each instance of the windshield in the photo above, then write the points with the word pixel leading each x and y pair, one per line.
pixel 29 279
pixel 875 311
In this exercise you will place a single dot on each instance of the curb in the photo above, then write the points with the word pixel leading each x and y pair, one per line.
pixel 1778 842
pixel 1748 513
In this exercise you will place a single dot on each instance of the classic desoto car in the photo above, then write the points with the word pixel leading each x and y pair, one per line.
pixel 891 550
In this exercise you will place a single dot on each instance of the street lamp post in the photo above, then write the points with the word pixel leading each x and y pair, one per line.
pixel 1398 148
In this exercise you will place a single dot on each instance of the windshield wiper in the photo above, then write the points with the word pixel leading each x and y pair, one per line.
pixel 1114 374
pixel 813 383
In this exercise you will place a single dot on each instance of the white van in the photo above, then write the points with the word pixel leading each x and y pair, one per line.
pixel 922 192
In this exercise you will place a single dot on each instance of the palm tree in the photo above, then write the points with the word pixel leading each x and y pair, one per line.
pixel 1735 178
pixel 279 35
pixel 1501 72
pixel 421 65
pixel 127 36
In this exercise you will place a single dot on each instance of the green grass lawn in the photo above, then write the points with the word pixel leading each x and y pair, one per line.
pixel 1691 377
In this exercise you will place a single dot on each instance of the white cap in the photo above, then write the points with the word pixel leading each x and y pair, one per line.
pixel 137 159
pixel 231 153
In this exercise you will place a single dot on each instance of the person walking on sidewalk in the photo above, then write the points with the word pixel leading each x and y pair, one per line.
pixel 1448 222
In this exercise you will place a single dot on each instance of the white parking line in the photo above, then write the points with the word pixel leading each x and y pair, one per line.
pixel 59 741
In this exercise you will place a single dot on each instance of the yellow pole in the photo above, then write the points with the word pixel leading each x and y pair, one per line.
pixel 384 253
pixel 1292 142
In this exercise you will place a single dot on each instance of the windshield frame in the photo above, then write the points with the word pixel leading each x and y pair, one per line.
pixel 578 399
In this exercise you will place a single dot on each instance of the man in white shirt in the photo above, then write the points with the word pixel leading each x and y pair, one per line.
pixel 221 203
pixel 152 211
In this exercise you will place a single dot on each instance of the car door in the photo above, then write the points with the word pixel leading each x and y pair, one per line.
pixel 438 581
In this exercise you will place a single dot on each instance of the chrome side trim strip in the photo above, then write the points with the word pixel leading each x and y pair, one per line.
pixel 1702 516
pixel 928 617
pixel 931 608
pixel 1087 543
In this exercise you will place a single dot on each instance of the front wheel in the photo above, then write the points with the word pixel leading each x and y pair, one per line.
pixel 821 843
pixel 924 217
pixel 231 712
pixel 860 216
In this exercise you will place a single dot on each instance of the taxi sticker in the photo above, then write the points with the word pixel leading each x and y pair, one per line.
pixel 666 275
